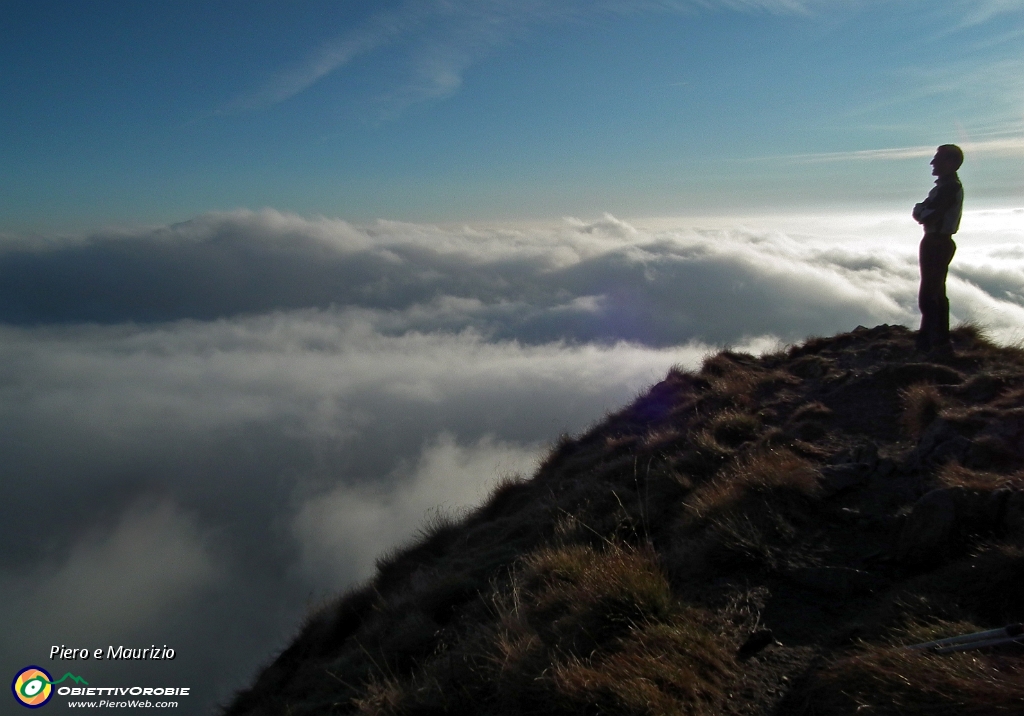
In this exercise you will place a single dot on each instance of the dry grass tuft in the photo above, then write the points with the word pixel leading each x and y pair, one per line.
pixel 773 472
pixel 812 411
pixel 662 439
pixel 577 630
pixel 971 331
pixel 1010 400
pixel 974 339
pixel 509 493
pixel 953 474
pixel 888 680
pixel 730 378
pixel 748 515
pixel 722 364
pixel 811 366
pixel 732 428
pixel 812 345
pixel 705 457
pixel 660 670
pixel 739 379
pixel 810 421
pixel 432 540
pixel 735 387
pixel 922 403
pixel 587 597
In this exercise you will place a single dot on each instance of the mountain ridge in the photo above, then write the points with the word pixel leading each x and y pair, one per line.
pixel 755 537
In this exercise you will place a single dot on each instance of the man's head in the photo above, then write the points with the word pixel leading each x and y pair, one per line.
pixel 947 160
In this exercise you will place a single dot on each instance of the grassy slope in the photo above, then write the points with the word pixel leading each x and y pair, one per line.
pixel 648 563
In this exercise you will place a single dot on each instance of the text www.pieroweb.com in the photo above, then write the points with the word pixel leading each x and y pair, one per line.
pixel 122 704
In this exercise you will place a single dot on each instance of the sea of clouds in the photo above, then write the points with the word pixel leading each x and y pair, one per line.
pixel 209 427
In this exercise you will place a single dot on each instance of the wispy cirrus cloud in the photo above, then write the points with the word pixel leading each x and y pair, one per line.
pixel 990 9
pixel 379 30
pixel 290 82
pixel 1000 147
pixel 997 131
pixel 443 38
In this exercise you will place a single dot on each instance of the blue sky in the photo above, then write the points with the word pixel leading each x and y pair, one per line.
pixel 142 112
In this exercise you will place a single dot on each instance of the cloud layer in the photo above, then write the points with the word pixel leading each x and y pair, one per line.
pixel 602 281
pixel 209 425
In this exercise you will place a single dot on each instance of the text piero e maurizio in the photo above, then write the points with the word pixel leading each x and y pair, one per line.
pixel 153 652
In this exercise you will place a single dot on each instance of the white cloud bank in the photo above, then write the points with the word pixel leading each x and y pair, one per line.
pixel 109 587
pixel 342 532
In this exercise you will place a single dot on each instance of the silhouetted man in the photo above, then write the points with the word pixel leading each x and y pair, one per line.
pixel 940 215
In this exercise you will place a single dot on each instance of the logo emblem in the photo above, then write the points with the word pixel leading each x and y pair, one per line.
pixel 32 687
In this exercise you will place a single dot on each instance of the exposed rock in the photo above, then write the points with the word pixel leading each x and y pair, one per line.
pixel 757 641
pixel 866 454
pixel 926 535
pixel 885 468
pixel 836 479
pixel 910 373
pixel 990 451
pixel 993 513
pixel 868 403
pixel 811 366
pixel 942 522
pixel 982 388
pixel 955 448
pixel 940 443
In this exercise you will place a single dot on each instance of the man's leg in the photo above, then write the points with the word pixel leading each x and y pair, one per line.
pixel 935 253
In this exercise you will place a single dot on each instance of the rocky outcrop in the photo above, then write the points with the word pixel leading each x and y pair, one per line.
pixel 946 521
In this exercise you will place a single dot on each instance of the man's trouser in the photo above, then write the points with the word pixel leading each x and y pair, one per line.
pixel 934 255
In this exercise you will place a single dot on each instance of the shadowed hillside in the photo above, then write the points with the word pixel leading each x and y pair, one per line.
pixel 758 537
